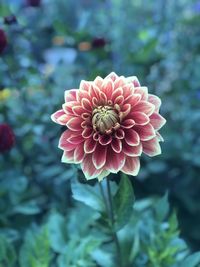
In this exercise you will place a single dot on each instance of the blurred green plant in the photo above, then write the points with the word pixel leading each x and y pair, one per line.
pixel 149 238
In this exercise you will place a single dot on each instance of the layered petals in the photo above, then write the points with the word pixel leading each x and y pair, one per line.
pixel 131 166
pixel 152 147
pixel 146 132
pixel 157 121
pixel 89 169
pixel 114 161
pixel 99 156
pixel 110 122
pixel 60 117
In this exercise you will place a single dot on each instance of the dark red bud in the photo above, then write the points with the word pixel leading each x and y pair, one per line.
pixel 7 138
pixel 98 42
pixel 3 41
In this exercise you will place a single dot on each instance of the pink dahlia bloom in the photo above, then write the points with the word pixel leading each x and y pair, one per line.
pixel 110 122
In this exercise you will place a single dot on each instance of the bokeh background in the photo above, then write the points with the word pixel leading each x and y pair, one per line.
pixel 47 47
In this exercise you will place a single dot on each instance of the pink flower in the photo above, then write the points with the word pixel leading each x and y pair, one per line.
pixel 110 122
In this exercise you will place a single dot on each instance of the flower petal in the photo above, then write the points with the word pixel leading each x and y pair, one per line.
pixel 145 132
pixel 153 99
pixel 113 76
pixel 89 169
pixel 128 90
pixel 87 132
pixel 82 94
pixel 152 147
pixel 134 80
pixel 68 157
pixel 145 107
pixel 67 107
pixel 128 123
pixel 143 91
pixel 114 161
pixel 119 82
pixel 76 139
pixel 157 121
pixel 103 99
pixel 79 154
pixel 140 118
pixel 86 104
pixel 116 93
pixel 98 81
pixel 119 134
pixel 124 111
pixel 85 85
pixel 99 156
pixel 131 166
pixel 70 95
pixel 105 139
pixel 116 145
pixel 60 117
pixel 132 151
pixel 107 88
pixel 159 136
pixel 133 99
pixel 64 143
pixel 78 110
pixel 131 137
pixel 74 123
pixel 119 100
pixel 89 145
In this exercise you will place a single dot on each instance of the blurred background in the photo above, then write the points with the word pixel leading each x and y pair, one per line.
pixel 47 47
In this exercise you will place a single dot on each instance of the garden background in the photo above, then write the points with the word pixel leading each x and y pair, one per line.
pixel 49 46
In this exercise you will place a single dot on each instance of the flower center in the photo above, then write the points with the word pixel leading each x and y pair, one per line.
pixel 104 119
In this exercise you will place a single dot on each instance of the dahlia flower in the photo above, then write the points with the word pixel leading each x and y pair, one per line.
pixel 110 122
pixel 7 138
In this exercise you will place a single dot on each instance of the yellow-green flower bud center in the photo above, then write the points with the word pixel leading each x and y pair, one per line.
pixel 104 119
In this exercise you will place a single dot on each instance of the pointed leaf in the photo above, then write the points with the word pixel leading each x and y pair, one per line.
pixel 87 194
pixel 191 261
pixel 123 202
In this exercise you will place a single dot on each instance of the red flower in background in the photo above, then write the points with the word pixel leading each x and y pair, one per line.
pixel 3 40
pixel 110 123
pixel 98 42
pixel 7 138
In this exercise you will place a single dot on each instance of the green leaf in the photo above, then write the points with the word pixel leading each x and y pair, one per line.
pixel 29 208
pixel 123 202
pixel 87 194
pixel 57 232
pixel 103 258
pixel 79 252
pixel 35 251
pixel 162 208
pixel 7 253
pixel 191 261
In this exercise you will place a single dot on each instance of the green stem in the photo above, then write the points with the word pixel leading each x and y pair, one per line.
pixel 104 197
pixel 112 219
pixel 110 213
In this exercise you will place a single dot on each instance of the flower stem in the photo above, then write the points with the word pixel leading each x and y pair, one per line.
pixel 110 212
pixel 112 219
